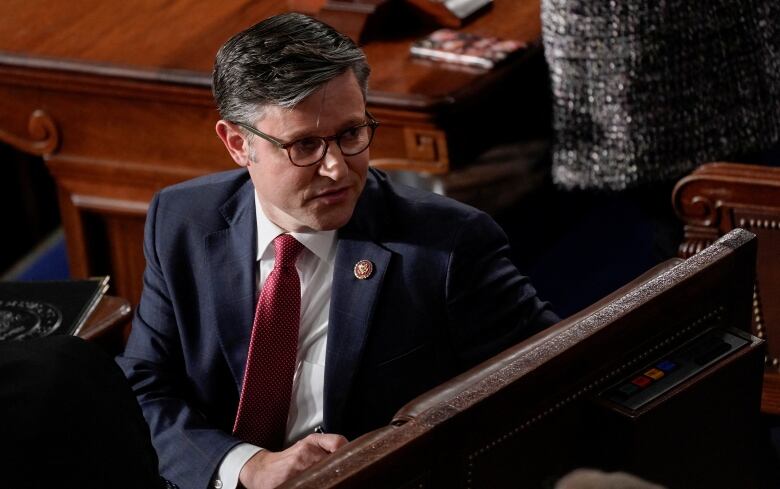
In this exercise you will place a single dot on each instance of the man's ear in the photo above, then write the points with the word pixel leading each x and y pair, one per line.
pixel 234 140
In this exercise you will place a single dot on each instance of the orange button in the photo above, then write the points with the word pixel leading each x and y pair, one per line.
pixel 654 373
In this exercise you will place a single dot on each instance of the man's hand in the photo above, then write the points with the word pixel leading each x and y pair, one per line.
pixel 266 469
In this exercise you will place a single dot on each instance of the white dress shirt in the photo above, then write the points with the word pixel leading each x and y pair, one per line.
pixel 315 270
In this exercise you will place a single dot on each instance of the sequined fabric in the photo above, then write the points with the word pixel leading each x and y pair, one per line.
pixel 646 91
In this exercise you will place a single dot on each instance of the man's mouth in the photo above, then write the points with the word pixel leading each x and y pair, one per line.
pixel 333 196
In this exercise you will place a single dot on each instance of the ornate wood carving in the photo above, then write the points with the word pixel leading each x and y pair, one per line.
pixel 426 145
pixel 690 246
pixel 718 197
pixel 43 131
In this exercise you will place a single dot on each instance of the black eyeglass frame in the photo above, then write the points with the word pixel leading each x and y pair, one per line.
pixel 371 122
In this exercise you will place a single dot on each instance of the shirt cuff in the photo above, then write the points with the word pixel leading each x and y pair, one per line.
pixel 231 465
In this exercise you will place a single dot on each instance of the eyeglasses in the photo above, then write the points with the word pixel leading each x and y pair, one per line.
pixel 311 150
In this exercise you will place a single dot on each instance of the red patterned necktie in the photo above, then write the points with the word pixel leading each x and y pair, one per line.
pixel 270 365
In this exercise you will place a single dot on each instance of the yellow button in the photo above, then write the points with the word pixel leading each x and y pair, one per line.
pixel 654 373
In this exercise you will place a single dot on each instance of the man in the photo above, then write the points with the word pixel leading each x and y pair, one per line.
pixel 399 289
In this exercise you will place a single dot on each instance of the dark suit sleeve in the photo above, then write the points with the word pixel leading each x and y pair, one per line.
pixel 189 449
pixel 490 304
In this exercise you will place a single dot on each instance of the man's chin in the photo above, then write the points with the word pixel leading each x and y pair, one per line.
pixel 330 225
pixel 330 221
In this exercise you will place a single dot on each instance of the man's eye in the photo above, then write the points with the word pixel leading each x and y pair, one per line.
pixel 352 133
pixel 308 145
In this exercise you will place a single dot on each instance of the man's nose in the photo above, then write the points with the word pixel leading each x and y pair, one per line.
pixel 333 165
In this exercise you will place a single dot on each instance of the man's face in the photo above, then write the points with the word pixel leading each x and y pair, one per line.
pixel 319 197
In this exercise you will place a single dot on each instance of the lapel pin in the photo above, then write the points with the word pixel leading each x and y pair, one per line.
pixel 363 269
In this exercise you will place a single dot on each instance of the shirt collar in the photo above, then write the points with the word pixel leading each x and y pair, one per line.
pixel 321 243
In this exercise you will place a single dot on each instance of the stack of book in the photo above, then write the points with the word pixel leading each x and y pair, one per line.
pixel 465 48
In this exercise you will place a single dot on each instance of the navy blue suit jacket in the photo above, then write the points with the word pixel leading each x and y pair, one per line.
pixel 444 295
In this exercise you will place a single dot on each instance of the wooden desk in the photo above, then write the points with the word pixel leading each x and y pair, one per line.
pixel 116 97
pixel 558 400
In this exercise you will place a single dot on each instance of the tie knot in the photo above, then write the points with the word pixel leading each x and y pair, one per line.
pixel 287 250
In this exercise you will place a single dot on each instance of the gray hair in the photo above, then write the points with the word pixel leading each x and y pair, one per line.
pixel 281 61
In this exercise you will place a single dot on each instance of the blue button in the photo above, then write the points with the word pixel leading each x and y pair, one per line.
pixel 666 365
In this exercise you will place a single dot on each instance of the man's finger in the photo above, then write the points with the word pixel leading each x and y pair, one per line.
pixel 327 441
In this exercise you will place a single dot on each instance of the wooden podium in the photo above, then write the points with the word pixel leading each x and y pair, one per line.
pixel 116 97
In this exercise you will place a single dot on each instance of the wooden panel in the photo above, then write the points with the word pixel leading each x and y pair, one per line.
pixel 127 254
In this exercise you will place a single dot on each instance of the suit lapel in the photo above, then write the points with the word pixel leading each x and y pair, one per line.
pixel 231 255
pixel 353 301
pixel 351 309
